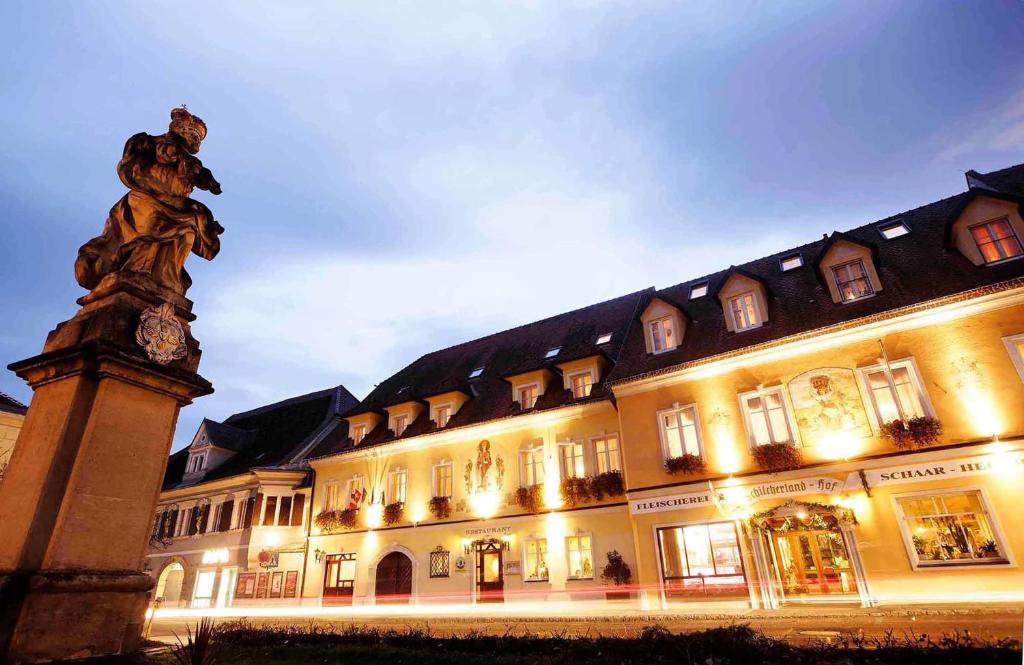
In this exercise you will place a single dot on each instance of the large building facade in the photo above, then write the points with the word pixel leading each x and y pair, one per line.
pixel 12 415
pixel 838 423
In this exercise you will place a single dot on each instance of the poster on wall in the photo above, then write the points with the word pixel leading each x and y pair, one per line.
pixel 276 583
pixel 246 585
pixel 290 582
pixel 827 403
pixel 261 586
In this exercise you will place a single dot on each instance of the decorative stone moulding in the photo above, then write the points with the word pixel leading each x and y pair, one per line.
pixel 161 335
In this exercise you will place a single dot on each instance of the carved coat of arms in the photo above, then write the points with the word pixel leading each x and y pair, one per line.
pixel 161 334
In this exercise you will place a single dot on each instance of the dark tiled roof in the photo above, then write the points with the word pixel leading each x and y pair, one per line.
pixel 271 435
pixel 503 354
pixel 226 436
pixel 913 268
pixel 11 405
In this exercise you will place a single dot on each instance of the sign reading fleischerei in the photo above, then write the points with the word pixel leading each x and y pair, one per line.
pixel 674 502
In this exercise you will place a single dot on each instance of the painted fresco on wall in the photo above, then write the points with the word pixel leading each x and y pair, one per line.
pixel 827 403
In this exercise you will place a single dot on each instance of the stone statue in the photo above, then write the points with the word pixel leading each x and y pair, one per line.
pixel 152 229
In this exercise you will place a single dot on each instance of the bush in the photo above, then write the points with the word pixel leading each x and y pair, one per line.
pixel 608 483
pixel 530 499
pixel 575 491
pixel 199 648
pixel 440 507
pixel 393 513
pixel 918 432
pixel 685 463
pixel 616 571
pixel 777 456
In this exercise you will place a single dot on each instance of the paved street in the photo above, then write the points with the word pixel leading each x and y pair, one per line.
pixel 797 624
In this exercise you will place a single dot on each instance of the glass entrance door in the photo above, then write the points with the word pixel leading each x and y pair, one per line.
pixel 813 563
pixel 490 578
pixel 339 578
pixel 227 586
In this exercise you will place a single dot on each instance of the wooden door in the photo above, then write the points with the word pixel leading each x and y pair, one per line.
pixel 339 578
pixel 490 575
pixel 814 563
pixel 394 579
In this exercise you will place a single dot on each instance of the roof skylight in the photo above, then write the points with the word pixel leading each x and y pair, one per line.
pixel 476 372
pixel 892 230
pixel 604 339
pixel 790 262
pixel 552 352
pixel 698 290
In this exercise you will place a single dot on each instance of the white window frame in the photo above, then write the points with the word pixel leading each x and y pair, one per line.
pixel 394 423
pixel 357 479
pixel 1013 345
pixel 437 411
pixel 915 377
pixel 593 562
pixel 523 386
pixel 597 456
pixel 787 405
pixel 986 224
pixel 451 478
pixel 650 333
pixel 525 558
pixel 361 431
pixel 552 352
pixel 798 257
pixel 741 326
pixel 702 287
pixel 986 505
pixel 331 491
pixel 867 280
pixel 390 495
pixel 675 408
pixel 582 457
pixel 197 462
pixel 532 449
pixel 903 229
pixel 604 338
pixel 585 372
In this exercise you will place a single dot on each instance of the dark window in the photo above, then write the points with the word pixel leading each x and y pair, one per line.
pixel 439 560
pixel 226 510
pixel 204 518
pixel 250 510
pixel 286 511
pixel 173 524
pixel 268 515
pixel 297 506
pixel 193 521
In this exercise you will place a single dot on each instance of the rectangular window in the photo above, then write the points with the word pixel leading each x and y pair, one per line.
pixel 443 473
pixel 285 511
pixel 581 384
pixel 358 433
pixel 893 230
pixel 996 240
pixel 552 352
pixel 442 415
pixel 532 463
pixel 852 281
pixel 536 566
pixel 399 423
pixel 679 431
pixel 606 450
pixel 439 563
pixel 355 491
pixel 744 312
pixel 767 420
pixel 476 372
pixel 397 481
pixel 270 511
pixel 528 396
pixel 950 528
pixel 1015 347
pixel 339 575
pixel 571 456
pixel 298 514
pixel 604 339
pixel 581 560
pixel 663 337
pixel 698 290
pixel 701 560
pixel 331 495
pixel 895 391
pixel 791 262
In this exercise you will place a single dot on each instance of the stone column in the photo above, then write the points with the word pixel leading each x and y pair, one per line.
pixel 78 499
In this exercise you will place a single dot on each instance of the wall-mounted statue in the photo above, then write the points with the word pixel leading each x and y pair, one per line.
pixel 152 229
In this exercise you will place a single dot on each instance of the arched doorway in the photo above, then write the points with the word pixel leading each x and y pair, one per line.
pixel 168 585
pixel 394 579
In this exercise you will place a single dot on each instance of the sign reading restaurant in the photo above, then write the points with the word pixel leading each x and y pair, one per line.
pixel 489 531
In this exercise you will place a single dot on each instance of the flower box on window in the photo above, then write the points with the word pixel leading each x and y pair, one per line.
pixel 576 491
pixel 530 499
pixel 685 463
pixel 393 513
pixel 335 520
pixel 777 456
pixel 605 484
pixel 440 507
pixel 919 432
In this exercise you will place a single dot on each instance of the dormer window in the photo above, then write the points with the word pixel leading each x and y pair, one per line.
pixel 698 290
pixel 197 463
pixel 552 352
pixel 604 339
pixel 399 423
pixel 442 415
pixel 744 312
pixel 476 372
pixel 663 335
pixel 582 383
pixel 527 395
pixel 852 281
pixel 996 240
pixel 791 262
pixel 358 433
pixel 893 230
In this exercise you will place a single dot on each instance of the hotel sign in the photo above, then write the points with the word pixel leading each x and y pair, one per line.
pixel 1010 462
pixel 674 502
pixel 794 487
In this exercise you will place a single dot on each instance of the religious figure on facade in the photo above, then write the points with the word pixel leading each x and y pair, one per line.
pixel 155 226
pixel 483 462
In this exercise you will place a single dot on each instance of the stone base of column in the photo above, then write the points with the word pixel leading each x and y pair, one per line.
pixel 74 614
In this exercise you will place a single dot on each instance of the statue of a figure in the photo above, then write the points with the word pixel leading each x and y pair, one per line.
pixel 152 229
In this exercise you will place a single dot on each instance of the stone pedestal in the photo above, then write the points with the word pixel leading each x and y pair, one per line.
pixel 78 499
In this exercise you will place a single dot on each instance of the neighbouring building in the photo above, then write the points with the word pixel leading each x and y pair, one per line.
pixel 12 415
pixel 840 422
pixel 233 515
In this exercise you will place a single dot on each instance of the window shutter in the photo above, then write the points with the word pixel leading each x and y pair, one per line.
pixel 297 506
pixel 193 520
pixel 204 518
pixel 252 509
pixel 172 524
pixel 226 510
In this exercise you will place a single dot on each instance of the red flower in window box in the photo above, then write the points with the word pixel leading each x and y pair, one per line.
pixel 777 456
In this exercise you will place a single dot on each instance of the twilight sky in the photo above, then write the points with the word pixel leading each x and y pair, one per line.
pixel 402 176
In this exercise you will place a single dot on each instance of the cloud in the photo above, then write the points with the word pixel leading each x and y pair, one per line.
pixel 999 130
